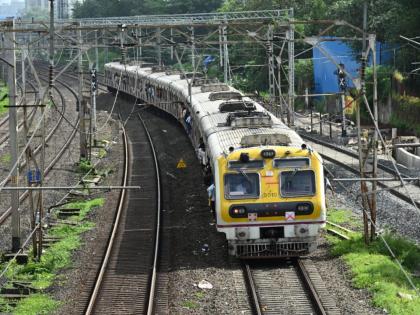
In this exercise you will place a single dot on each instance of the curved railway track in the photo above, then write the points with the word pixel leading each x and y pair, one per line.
pixel 126 282
pixel 30 116
pixel 287 287
pixel 5 119
pixel 49 167
pixel 348 160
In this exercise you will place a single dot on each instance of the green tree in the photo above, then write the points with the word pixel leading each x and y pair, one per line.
pixel 100 8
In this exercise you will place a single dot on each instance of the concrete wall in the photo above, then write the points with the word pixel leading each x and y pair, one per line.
pixel 407 159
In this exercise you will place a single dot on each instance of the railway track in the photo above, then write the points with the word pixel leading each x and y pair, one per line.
pixel 53 162
pixel 75 77
pixel 349 160
pixel 31 114
pixel 338 230
pixel 287 287
pixel 126 281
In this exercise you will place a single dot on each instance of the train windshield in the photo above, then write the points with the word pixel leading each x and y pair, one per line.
pixel 297 183
pixel 242 185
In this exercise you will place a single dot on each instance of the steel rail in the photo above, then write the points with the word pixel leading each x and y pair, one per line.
pixel 31 114
pixel 153 279
pixel 337 230
pixel 252 288
pixel 75 77
pixel 385 168
pixel 7 213
pixel 316 301
pixel 345 151
pixel 6 118
pixel 99 279
pixel 53 130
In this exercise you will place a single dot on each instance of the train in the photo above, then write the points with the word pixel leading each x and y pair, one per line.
pixel 268 186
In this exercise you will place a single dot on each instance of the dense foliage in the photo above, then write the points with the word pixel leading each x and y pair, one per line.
pixel 100 8
pixel 385 16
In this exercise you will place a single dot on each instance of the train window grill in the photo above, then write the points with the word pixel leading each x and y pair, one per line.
pixel 292 163
pixel 265 139
pixel 172 72
pixel 190 75
pixel 214 87
pixel 250 119
pixel 242 186
pixel 227 95
pixel 234 106
pixel 200 81
pixel 297 183
pixel 247 165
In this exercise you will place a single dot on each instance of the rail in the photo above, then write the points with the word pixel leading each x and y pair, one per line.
pixel 107 256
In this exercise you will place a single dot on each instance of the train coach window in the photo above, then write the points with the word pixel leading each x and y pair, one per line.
pixel 297 183
pixel 242 186
pixel 291 163
pixel 249 164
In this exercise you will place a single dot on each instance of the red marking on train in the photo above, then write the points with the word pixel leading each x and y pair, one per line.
pixel 290 216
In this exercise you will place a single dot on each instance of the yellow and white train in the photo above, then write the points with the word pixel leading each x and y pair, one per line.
pixel 268 185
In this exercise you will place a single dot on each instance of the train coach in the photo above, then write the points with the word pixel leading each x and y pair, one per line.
pixel 268 186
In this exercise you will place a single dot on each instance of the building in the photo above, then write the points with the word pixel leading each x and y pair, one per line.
pixel 11 8
pixel 65 8
pixel 32 4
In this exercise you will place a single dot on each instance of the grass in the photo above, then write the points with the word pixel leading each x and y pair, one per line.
pixel 200 294
pixel 190 304
pixel 4 101
pixel 344 217
pixel 6 158
pixel 85 166
pixel 85 207
pixel 102 153
pixel 36 304
pixel 374 269
pixel 42 274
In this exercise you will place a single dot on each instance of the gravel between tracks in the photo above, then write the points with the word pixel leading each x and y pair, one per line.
pixel 192 226
pixel 77 279
pixel 62 174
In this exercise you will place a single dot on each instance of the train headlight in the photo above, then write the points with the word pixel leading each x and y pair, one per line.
pixel 268 154
pixel 303 207
pixel 238 212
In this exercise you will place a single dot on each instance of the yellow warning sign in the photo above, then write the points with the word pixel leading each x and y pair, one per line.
pixel 181 164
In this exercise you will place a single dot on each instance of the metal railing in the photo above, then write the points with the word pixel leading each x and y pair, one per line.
pixel 189 19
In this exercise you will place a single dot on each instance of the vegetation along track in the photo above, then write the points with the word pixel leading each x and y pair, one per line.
pixel 127 277
pixel 349 160
pixel 57 157
pixel 287 287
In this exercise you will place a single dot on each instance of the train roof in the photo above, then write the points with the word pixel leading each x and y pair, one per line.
pixel 214 122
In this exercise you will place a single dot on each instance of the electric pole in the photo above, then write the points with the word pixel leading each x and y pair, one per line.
pixel 93 89
pixel 342 83
pixel 10 46
pixel 363 186
pixel 81 102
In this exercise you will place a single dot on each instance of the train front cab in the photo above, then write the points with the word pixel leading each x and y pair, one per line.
pixel 270 201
